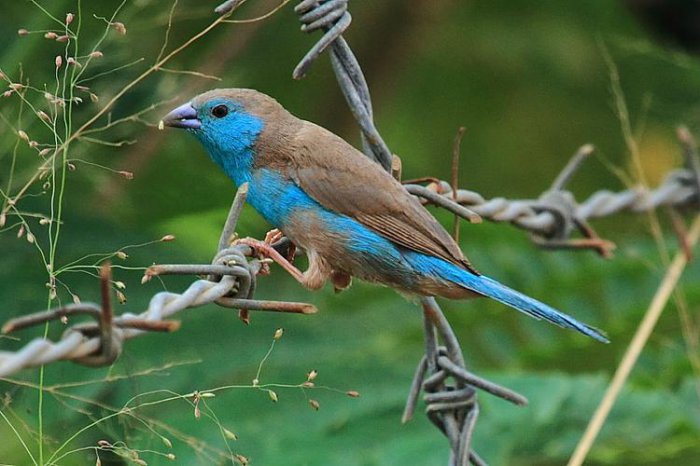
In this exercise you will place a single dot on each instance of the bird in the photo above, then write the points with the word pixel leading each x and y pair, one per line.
pixel 349 216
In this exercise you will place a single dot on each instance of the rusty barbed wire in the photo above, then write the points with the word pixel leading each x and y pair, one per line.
pixel 454 412
pixel 230 283
pixel 555 216
pixel 450 389
pixel 552 220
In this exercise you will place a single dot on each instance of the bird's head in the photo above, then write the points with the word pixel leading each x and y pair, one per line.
pixel 228 122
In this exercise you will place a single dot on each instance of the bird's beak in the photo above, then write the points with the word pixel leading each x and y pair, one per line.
pixel 185 116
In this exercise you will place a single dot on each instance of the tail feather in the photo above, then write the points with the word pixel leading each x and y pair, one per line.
pixel 501 293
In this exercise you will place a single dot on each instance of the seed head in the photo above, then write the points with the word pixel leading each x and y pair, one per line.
pixel 74 62
pixel 167 238
pixel 69 18
pixel 43 115
pixel 50 35
pixel 314 404
pixel 278 333
pixel 23 32
pixel 96 54
pixel 44 152
pixel 23 135
pixel 63 38
pixel 7 93
pixel 59 61
pixel 119 27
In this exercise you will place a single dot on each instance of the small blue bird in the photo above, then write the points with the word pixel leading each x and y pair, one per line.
pixel 351 218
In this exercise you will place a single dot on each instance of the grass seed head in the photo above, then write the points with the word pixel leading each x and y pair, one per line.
pixel 119 27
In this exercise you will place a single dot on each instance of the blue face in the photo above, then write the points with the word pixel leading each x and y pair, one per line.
pixel 226 130
pixel 229 133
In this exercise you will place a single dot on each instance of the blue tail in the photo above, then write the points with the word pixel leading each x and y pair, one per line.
pixel 435 267
pixel 501 293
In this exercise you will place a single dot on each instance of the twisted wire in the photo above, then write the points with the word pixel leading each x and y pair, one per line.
pixel 552 220
pixel 332 17
pixel 455 417
pixel 450 389
pixel 231 283
pixel 677 190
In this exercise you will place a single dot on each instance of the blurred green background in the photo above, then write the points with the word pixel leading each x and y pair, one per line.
pixel 530 83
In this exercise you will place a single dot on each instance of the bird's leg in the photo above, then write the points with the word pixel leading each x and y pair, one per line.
pixel 265 249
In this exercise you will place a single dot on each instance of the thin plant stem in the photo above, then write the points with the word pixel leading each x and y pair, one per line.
pixel 641 336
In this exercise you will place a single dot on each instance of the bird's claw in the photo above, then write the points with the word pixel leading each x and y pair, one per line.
pixel 264 250
pixel 274 235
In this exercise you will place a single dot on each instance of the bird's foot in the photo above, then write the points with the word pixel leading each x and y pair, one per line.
pixel 275 235
pixel 265 249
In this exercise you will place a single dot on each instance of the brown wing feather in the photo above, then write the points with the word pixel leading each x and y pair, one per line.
pixel 342 179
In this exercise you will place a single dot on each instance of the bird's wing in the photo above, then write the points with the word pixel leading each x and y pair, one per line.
pixel 342 179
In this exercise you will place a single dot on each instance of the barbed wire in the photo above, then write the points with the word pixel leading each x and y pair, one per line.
pixel 230 283
pixel 551 219
pixel 450 389
pixel 556 216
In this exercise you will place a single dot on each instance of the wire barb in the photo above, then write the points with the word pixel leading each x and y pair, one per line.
pixel 332 17
pixel 230 283
pixel 451 406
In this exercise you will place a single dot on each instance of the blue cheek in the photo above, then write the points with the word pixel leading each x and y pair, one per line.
pixel 230 142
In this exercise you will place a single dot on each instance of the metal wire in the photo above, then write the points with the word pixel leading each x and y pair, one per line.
pixel 552 220
pixel 231 284
pixel 450 389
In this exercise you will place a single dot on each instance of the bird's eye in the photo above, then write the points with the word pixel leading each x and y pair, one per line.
pixel 219 111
